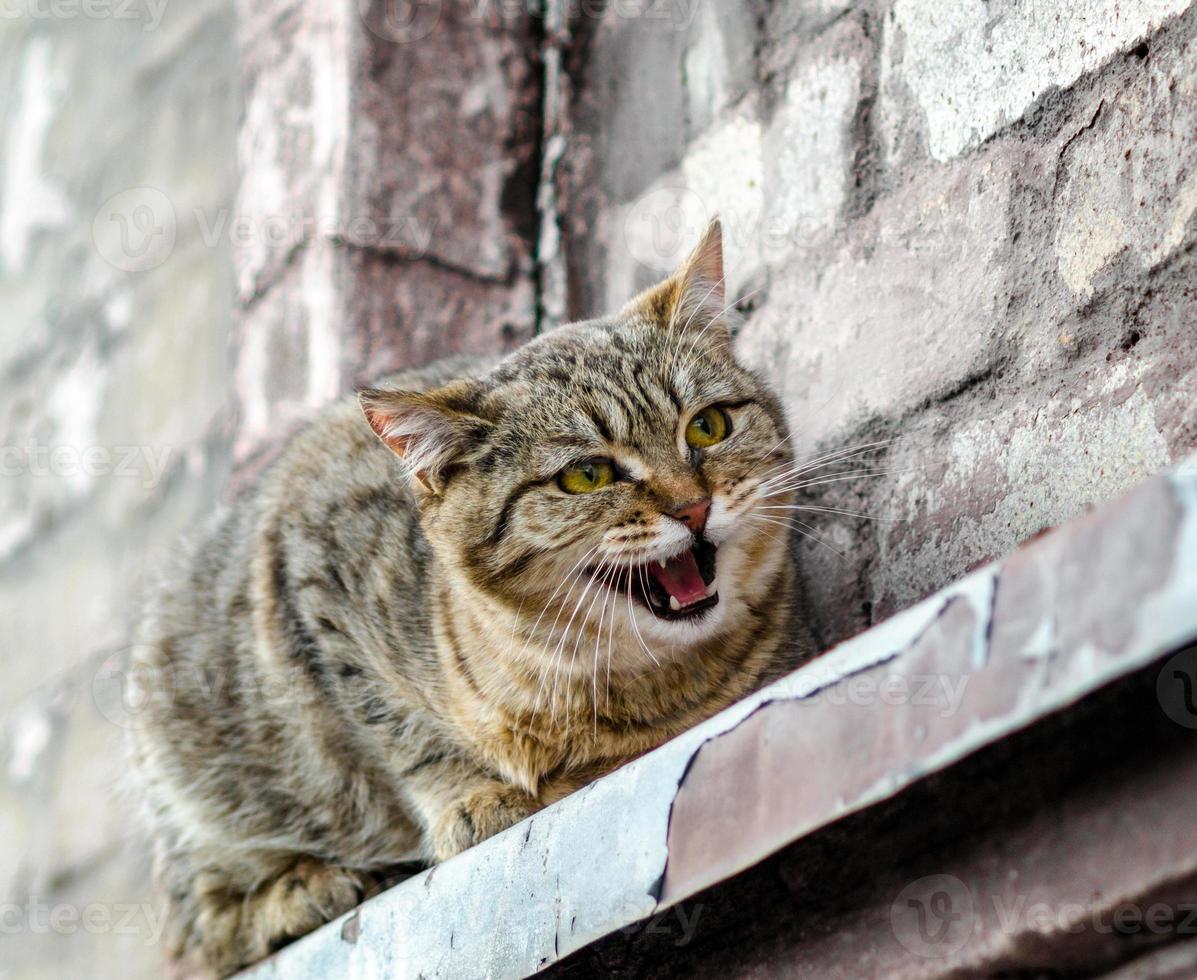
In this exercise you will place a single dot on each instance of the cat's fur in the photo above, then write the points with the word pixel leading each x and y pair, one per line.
pixel 373 659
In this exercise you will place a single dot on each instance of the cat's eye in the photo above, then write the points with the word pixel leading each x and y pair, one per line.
pixel 593 474
pixel 708 427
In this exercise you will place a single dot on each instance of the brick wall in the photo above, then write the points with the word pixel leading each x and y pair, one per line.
pixel 967 228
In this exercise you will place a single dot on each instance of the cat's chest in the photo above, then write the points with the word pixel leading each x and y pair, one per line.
pixel 552 760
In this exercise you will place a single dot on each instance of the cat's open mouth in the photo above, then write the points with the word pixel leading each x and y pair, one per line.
pixel 680 588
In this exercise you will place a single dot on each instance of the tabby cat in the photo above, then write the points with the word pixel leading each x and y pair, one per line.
pixel 454 601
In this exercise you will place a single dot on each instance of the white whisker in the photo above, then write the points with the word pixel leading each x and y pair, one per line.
pixel 804 529
pixel 826 510
pixel 694 341
pixel 824 480
pixel 635 626
pixel 556 656
pixel 821 462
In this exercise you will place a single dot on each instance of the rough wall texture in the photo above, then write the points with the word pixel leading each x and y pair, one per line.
pixel 963 227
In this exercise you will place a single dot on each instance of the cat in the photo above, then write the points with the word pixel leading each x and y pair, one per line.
pixel 459 598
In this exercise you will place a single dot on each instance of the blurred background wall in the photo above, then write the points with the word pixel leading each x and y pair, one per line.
pixel 964 227
pixel 117 123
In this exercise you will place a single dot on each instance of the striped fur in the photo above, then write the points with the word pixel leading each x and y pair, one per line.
pixel 395 646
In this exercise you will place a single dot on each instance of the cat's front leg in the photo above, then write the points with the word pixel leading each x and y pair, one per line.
pixel 460 806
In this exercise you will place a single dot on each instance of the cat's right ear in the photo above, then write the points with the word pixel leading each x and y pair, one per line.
pixel 428 430
pixel 692 299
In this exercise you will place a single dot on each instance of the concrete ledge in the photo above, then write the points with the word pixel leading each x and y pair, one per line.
pixel 1008 646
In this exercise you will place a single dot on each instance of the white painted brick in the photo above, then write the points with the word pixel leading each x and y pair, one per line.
pixel 721 175
pixel 909 306
pixel 717 61
pixel 290 359
pixel 292 150
pixel 807 152
pixel 725 172
pixel 775 189
pixel 1130 180
pixel 973 66
pixel 1054 459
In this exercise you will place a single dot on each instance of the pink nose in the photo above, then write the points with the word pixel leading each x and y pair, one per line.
pixel 694 515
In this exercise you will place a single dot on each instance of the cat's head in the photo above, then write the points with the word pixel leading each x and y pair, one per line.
pixel 611 472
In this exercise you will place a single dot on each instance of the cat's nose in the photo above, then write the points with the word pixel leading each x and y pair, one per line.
pixel 693 515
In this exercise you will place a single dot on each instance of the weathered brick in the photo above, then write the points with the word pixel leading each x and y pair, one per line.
pixel 721 175
pixel 408 202
pixel 443 135
pixel 970 479
pixel 623 54
pixel 717 63
pixel 1129 179
pixel 845 337
pixel 618 144
pixel 977 241
pixel 809 148
pixel 972 68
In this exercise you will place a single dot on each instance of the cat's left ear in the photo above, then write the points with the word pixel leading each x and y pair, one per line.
pixel 694 297
pixel 428 430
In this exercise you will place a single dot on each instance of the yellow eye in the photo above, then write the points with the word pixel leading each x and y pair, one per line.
pixel 708 427
pixel 594 474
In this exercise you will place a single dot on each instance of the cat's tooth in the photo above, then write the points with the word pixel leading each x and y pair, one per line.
pixel 712 588
pixel 674 604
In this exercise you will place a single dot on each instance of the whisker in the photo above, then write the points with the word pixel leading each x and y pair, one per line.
pixel 698 306
pixel 804 529
pixel 635 626
pixel 556 656
pixel 771 535
pixel 610 641
pixel 842 455
pixel 824 480
pixel 851 455
pixel 775 469
pixel 827 510
pixel 601 578
pixel 544 670
pixel 566 580
pixel 677 340
pixel 598 639
pixel 515 625
pixel 694 341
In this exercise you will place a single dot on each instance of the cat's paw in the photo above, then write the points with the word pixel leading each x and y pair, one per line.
pixel 478 816
pixel 232 929
pixel 306 896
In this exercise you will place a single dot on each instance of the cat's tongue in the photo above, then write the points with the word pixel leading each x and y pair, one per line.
pixel 680 578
